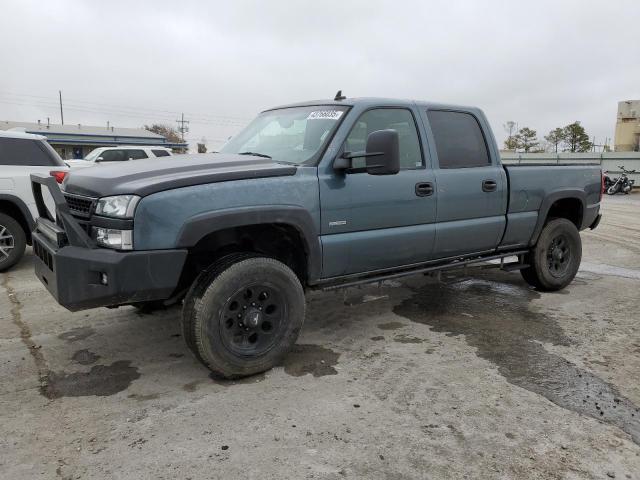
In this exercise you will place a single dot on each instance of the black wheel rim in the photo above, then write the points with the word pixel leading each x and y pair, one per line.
pixel 7 243
pixel 252 319
pixel 559 256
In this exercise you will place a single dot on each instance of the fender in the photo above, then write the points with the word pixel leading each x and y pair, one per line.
pixel 23 209
pixel 549 200
pixel 199 226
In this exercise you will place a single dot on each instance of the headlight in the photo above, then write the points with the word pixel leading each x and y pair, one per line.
pixel 118 206
pixel 112 238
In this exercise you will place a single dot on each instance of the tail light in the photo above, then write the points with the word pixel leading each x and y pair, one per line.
pixel 58 175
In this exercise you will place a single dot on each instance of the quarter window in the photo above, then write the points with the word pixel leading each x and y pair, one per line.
pixel 22 151
pixel 398 119
pixel 459 139
pixel 160 153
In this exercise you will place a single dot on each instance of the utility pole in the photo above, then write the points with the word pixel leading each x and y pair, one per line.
pixel 61 114
pixel 184 126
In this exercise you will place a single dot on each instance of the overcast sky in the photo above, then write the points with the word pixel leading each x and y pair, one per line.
pixel 542 64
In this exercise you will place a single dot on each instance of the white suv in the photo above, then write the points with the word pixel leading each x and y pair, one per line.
pixel 119 154
pixel 22 154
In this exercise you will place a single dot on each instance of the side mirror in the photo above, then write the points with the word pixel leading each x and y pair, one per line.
pixel 382 154
pixel 99 159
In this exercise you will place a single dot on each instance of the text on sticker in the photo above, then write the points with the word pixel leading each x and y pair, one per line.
pixel 325 115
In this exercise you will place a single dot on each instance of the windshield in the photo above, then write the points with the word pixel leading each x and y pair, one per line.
pixel 290 135
pixel 93 155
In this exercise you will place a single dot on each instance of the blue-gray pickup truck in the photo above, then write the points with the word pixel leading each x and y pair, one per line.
pixel 321 194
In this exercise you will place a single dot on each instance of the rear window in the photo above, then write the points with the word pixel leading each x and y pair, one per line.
pixel 161 153
pixel 459 139
pixel 25 152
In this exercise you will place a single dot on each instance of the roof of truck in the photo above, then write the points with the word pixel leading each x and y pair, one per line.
pixel 375 101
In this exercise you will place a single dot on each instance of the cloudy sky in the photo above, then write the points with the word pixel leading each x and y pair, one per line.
pixel 542 64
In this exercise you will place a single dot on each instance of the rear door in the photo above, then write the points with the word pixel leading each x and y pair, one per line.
pixel 471 184
pixel 372 222
pixel 19 158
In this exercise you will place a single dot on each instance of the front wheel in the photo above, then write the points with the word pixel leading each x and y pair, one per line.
pixel 613 189
pixel 555 259
pixel 243 314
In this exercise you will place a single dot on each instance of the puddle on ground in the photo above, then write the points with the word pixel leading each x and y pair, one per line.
pixel 76 334
pixel 508 334
pixel 101 380
pixel 314 359
pixel 85 357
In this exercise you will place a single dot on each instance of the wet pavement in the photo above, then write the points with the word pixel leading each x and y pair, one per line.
pixel 471 377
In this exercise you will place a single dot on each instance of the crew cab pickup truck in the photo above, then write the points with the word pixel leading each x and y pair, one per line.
pixel 322 194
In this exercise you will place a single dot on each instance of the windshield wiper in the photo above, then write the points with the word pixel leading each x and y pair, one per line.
pixel 255 154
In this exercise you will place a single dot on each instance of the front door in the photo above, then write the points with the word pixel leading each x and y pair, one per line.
pixel 372 222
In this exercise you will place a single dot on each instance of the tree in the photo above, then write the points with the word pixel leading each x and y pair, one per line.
pixel 526 139
pixel 202 148
pixel 510 128
pixel 575 138
pixel 555 138
pixel 167 131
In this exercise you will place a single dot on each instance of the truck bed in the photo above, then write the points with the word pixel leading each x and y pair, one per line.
pixel 533 189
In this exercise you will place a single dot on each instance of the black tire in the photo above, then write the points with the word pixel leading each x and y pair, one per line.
pixel 13 242
pixel 243 314
pixel 555 259
pixel 613 189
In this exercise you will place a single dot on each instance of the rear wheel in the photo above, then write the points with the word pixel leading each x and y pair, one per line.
pixel 243 314
pixel 13 242
pixel 555 259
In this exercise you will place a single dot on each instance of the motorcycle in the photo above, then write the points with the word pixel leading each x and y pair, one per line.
pixel 622 183
pixel 607 181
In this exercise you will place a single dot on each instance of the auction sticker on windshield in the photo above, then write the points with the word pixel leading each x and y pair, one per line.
pixel 325 115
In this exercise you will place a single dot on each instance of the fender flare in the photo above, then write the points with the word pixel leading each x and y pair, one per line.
pixel 549 200
pixel 199 226
pixel 18 202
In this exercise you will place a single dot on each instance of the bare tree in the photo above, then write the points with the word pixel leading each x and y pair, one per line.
pixel 510 127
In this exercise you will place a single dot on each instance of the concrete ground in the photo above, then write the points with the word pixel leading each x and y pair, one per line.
pixel 477 377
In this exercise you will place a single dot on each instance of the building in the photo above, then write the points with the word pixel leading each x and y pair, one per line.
pixel 627 137
pixel 76 141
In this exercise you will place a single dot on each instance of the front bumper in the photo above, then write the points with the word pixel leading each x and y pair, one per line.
pixel 81 276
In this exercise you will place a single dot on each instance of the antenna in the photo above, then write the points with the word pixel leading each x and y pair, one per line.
pixel 339 96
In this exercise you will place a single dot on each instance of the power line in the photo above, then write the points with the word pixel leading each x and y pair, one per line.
pixel 127 108
pixel 182 128
pixel 148 117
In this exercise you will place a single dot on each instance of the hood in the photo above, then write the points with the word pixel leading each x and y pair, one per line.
pixel 144 177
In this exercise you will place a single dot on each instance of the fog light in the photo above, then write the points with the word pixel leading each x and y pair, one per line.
pixel 104 279
pixel 113 238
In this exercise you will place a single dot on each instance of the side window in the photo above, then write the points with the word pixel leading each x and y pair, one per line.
pixel 24 152
pixel 135 154
pixel 112 156
pixel 459 139
pixel 398 119
pixel 160 153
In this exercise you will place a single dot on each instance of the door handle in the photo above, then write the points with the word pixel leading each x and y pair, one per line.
pixel 424 189
pixel 489 185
